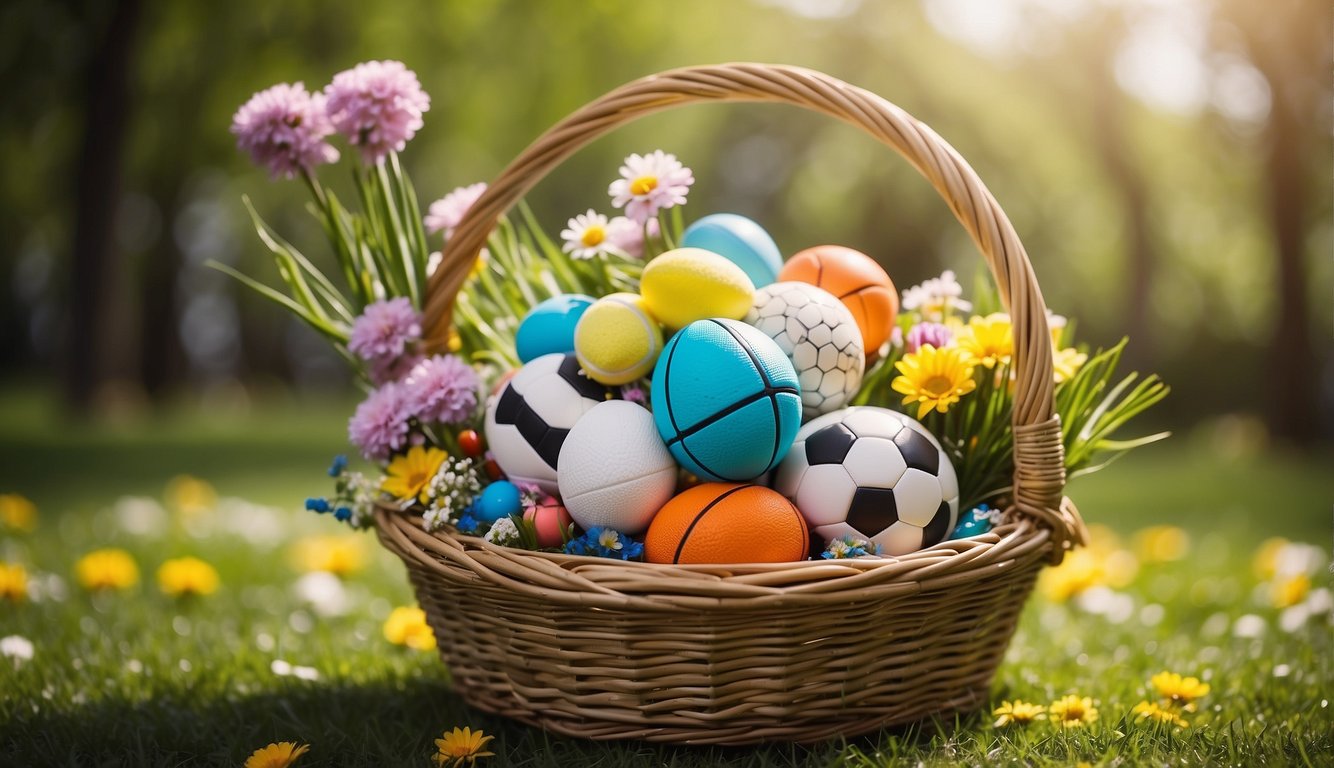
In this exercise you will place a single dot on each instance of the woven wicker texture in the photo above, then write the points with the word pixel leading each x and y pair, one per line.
pixel 749 653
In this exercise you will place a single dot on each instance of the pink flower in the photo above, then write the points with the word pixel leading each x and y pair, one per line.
pixel 442 389
pixel 650 183
pixel 380 425
pixel 386 369
pixel 628 236
pixel 446 213
pixel 384 330
pixel 283 129
pixel 377 106
pixel 934 334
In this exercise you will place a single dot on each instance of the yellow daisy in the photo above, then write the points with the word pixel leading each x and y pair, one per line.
pixel 988 339
pixel 1161 543
pixel 186 576
pixel 1182 691
pixel 410 475
pixel 934 378
pixel 279 755
pixel 190 496
pixel 107 569
pixel 1018 712
pixel 1289 590
pixel 1065 363
pixel 1073 711
pixel 461 746
pixel 407 626
pixel 1147 710
pixel 17 513
pixel 339 555
pixel 13 582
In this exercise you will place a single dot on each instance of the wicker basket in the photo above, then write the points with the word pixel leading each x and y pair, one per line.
pixel 748 653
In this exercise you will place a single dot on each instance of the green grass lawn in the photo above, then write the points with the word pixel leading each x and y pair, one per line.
pixel 138 678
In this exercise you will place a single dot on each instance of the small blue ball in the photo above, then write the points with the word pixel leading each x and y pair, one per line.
pixel 499 499
pixel 549 326
pixel 975 522
pixel 741 241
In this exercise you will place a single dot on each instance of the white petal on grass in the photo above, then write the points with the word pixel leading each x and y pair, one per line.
pixel 1115 606
pixel 324 592
pixel 1248 626
pixel 141 516
pixel 1294 617
pixel 1319 601
pixel 18 648
pixel 301 622
pixel 1215 625
pixel 258 524
pixel 280 668
pixel 1282 670
pixel 1152 615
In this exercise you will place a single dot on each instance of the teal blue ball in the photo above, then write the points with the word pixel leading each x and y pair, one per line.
pixel 741 241
pixel 975 522
pixel 499 499
pixel 549 326
pixel 726 400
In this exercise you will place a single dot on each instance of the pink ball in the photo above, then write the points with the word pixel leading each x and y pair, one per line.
pixel 550 520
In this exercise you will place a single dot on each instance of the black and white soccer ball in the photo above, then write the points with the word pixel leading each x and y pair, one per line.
pixel 820 337
pixel 872 473
pixel 528 419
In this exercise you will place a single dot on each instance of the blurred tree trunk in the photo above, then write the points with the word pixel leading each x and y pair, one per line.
pixel 97 193
pixel 161 361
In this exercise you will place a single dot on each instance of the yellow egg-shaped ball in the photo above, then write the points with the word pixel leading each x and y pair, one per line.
pixel 617 340
pixel 689 284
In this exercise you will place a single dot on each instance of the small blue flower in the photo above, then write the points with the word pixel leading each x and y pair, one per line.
pixel 343 514
pixel 339 466
pixel 467 524
pixel 317 505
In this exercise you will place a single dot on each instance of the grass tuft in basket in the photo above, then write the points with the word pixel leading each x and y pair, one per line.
pixel 603 648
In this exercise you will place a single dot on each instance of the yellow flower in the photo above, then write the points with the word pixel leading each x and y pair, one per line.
pixel 107 569
pixel 13 582
pixel 988 339
pixel 339 555
pixel 1101 563
pixel 461 746
pixel 189 495
pixel 1265 563
pixel 407 626
pixel 1073 711
pixel 187 576
pixel 1065 363
pixel 1181 691
pixel 1289 590
pixel 17 513
pixel 1161 543
pixel 934 378
pixel 1147 710
pixel 279 755
pixel 410 474
pixel 1018 712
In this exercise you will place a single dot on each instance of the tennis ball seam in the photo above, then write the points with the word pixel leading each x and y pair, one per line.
pixel 650 353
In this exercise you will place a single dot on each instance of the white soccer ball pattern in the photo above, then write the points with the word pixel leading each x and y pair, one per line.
pixel 821 338
pixel 875 474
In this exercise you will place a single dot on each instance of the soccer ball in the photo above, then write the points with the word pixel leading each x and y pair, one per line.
pixel 875 474
pixel 819 336
pixel 528 419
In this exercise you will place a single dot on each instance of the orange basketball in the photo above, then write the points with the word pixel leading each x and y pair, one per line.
pixel 857 280
pixel 727 523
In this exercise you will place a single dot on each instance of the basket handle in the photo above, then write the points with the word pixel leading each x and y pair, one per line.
pixel 1039 455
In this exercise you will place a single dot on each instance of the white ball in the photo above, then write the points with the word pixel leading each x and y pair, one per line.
pixel 614 470
pixel 820 337
pixel 527 421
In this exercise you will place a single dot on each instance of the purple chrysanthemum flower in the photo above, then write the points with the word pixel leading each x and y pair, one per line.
pixel 283 129
pixel 377 106
pixel 386 369
pixel 442 389
pixel 446 213
pixel 384 331
pixel 380 425
pixel 934 334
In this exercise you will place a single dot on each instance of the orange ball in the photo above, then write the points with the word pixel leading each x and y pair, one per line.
pixel 857 280
pixel 727 523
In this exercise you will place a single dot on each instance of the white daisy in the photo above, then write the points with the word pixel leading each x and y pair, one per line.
pixel 587 236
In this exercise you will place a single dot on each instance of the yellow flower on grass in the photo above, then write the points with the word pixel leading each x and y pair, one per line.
pixel 407 626
pixel 934 378
pixel 187 576
pixel 279 755
pixel 1162 543
pixel 107 569
pixel 17 513
pixel 13 582
pixel 1289 590
pixel 461 746
pixel 1073 711
pixel 339 555
pixel 1065 363
pixel 988 339
pixel 1018 712
pixel 409 475
pixel 190 496
pixel 1147 710
pixel 1181 691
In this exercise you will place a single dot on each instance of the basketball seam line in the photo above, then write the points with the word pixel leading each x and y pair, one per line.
pixel 674 343
pixel 858 289
pixel 685 536
pixel 731 409
pixel 768 392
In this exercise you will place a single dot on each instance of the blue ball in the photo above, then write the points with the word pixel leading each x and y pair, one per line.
pixel 549 326
pixel 740 240
pixel 975 522
pixel 499 499
pixel 726 400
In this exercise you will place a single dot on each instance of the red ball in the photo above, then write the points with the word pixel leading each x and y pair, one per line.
pixel 550 520
pixel 470 442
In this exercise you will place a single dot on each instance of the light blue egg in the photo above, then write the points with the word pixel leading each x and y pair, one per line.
pixel 549 326
pixel 975 522
pixel 499 499
pixel 740 240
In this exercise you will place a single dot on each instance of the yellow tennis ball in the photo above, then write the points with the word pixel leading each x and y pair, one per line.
pixel 617 340
pixel 689 284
